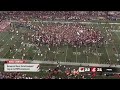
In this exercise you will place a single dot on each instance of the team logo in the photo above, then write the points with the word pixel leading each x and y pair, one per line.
pixel 93 69
pixel 81 69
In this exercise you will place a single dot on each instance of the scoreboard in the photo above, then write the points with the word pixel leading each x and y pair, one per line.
pixel 88 69
pixel 97 69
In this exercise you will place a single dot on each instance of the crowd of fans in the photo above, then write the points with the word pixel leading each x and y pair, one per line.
pixel 74 34
pixel 13 75
pixel 48 15
pixel 57 15
pixel 3 25
pixel 60 34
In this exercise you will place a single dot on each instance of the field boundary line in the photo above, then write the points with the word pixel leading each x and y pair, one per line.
pixel 63 21
pixel 65 63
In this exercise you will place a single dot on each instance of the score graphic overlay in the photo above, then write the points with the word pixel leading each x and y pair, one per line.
pixel 84 69
pixel 88 69
pixel 20 66
pixel 110 69
pixel 99 69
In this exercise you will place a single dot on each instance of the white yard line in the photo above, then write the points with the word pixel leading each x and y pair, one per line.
pixel 117 36
pixel 76 54
pixel 87 59
pixel 97 54
pixel 112 42
pixel 35 51
pixel 6 52
pixel 3 37
pixel 107 53
pixel 106 49
pixel 27 49
pixel 98 58
pixel 45 55
pixel 9 40
pixel 18 49
pixel 66 53
pixel 34 55
pixel 87 54
pixel 114 46
pixel 119 40
pixel 3 46
pixel 63 21
pixel 5 43
pixel 56 53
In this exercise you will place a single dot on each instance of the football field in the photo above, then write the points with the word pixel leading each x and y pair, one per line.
pixel 103 54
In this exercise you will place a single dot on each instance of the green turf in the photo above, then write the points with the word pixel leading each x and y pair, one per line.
pixel 62 53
